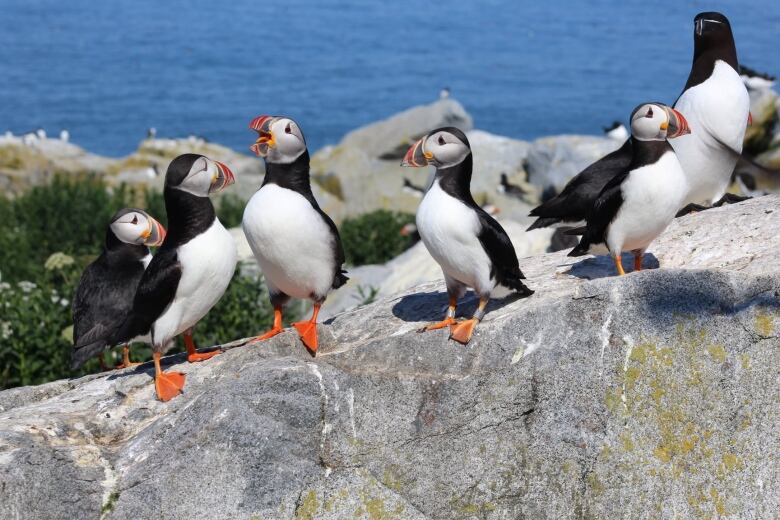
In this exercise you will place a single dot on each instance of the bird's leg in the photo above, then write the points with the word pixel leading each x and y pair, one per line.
pixel 461 332
pixel 690 208
pixel 126 363
pixel 103 366
pixel 276 329
pixel 618 258
pixel 449 318
pixel 193 356
pixel 167 384
pixel 308 329
pixel 730 198
pixel 638 255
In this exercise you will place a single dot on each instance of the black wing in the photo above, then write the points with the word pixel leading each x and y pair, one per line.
pixel 339 277
pixel 503 259
pixel 603 213
pixel 102 301
pixel 579 195
pixel 156 291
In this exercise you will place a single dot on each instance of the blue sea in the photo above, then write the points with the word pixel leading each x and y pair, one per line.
pixel 107 71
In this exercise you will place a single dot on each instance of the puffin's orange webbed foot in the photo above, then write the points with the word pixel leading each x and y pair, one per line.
pixel 446 322
pixel 126 363
pixel 169 385
pixel 276 329
pixel 308 332
pixel 193 356
pixel 462 332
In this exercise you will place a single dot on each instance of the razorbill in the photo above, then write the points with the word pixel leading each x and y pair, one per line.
pixel 472 249
pixel 105 291
pixel 637 205
pixel 717 106
pixel 296 244
pixel 191 270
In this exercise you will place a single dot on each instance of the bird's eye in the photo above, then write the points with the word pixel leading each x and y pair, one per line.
pixel 135 220
pixel 649 112
pixel 287 129
pixel 441 141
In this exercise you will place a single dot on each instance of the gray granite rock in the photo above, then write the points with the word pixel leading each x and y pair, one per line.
pixel 652 395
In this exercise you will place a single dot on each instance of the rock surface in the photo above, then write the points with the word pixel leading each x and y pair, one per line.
pixel 652 395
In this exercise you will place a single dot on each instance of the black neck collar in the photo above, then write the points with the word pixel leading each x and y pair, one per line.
pixel 456 180
pixel 188 216
pixel 293 176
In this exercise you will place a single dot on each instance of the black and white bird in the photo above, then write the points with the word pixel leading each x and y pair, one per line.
pixel 755 80
pixel 572 205
pixel 296 244
pixel 191 270
pixel 640 202
pixel 509 189
pixel 412 189
pixel 105 292
pixel 616 131
pixel 717 106
pixel 472 249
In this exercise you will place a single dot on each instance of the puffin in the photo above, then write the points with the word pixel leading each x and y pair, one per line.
pixel 105 291
pixel 190 271
pixel 507 188
pixel 636 206
pixel 296 244
pixel 717 105
pixel 571 206
pixel 472 249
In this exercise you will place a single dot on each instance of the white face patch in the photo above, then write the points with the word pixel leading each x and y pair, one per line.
pixel 647 122
pixel 289 143
pixel 444 149
pixel 130 227
pixel 200 177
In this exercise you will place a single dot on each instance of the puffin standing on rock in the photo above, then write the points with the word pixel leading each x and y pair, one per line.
pixel 105 292
pixel 296 244
pixel 717 105
pixel 640 202
pixel 191 270
pixel 472 249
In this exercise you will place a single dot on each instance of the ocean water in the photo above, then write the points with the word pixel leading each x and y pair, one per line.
pixel 107 71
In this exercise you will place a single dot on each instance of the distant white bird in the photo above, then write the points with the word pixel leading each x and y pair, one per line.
pixel 41 133
pixel 29 139
pixel 755 80
pixel 444 93
pixel 151 133
pixel 616 131
pixel 64 136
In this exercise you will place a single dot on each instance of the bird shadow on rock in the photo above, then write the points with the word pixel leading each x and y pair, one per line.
pixel 431 306
pixel 603 266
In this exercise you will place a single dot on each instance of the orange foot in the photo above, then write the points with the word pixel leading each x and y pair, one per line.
pixel 461 332
pixel 168 385
pixel 308 332
pixel 194 357
pixel 129 364
pixel 446 322
pixel 268 335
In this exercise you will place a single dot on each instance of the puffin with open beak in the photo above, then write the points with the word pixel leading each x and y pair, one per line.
pixel 636 206
pixel 296 243
pixel 105 292
pixel 191 270
pixel 472 249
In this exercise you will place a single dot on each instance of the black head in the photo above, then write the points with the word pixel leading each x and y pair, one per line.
pixel 198 175
pixel 712 31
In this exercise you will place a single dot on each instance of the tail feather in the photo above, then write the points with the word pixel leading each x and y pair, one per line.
pixel 582 248
pixel 516 284
pixel 82 353
pixel 543 222
pixel 340 279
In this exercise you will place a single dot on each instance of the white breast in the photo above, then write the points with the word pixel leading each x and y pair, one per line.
pixel 652 195
pixel 717 111
pixel 449 229
pixel 291 242
pixel 207 265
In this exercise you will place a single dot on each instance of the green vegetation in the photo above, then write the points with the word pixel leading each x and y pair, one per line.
pixel 375 237
pixel 230 210
pixel 47 236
